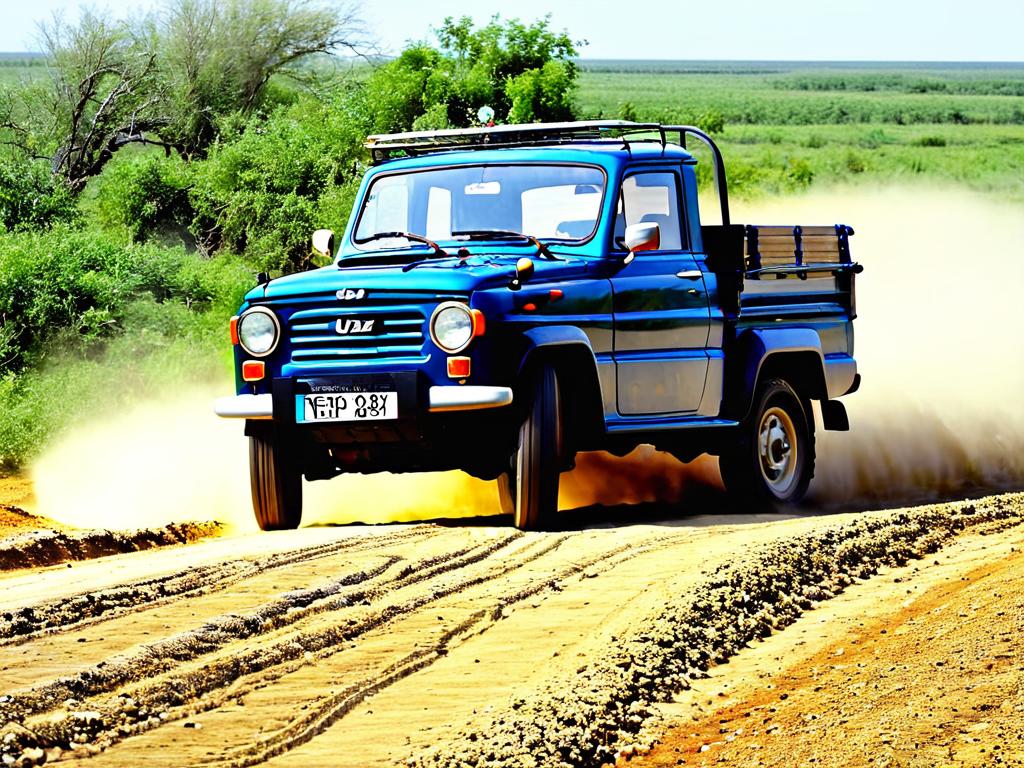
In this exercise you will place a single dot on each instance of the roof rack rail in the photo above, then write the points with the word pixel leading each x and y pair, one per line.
pixel 384 147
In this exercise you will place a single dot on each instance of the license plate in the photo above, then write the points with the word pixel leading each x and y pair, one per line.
pixel 346 406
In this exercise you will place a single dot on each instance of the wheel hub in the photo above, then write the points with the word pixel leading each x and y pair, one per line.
pixel 777 450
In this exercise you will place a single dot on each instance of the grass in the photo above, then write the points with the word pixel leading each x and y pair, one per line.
pixel 790 125
pixel 16 68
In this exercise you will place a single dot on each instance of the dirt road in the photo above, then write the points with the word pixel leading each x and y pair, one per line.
pixel 474 644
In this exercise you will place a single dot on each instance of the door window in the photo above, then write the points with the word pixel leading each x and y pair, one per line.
pixel 651 197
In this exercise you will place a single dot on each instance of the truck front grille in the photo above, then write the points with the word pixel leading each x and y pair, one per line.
pixel 355 333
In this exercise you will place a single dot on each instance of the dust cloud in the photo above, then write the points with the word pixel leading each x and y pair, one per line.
pixel 938 343
pixel 166 460
pixel 172 460
pixel 939 413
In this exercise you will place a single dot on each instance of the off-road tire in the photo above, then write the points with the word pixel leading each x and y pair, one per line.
pixel 771 463
pixel 276 485
pixel 537 460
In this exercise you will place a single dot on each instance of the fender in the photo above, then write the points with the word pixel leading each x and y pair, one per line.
pixel 755 348
pixel 577 366
pixel 551 337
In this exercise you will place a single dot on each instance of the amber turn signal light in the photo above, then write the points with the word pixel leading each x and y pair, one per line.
pixel 253 370
pixel 458 367
pixel 233 330
pixel 479 322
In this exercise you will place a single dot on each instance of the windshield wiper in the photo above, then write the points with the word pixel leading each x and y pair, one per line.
pixel 504 234
pixel 439 252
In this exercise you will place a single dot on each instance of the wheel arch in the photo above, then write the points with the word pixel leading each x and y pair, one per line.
pixel 792 354
pixel 568 349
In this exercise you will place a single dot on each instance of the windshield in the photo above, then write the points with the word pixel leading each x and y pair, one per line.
pixel 552 202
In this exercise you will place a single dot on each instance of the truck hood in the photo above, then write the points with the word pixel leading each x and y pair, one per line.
pixel 446 275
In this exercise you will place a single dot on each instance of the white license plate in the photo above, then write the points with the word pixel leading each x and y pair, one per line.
pixel 346 406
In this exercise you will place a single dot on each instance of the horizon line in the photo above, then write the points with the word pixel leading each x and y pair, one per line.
pixel 40 54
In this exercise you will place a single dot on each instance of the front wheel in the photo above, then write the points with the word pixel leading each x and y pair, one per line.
pixel 276 485
pixel 772 462
pixel 536 464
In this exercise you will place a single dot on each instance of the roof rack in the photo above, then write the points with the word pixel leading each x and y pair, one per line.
pixel 384 147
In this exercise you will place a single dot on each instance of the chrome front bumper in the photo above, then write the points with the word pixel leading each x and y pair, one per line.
pixel 453 398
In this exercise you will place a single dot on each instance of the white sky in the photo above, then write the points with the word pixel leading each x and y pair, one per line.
pixel 889 30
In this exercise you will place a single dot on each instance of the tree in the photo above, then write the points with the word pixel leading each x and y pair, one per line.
pixel 217 57
pixel 167 80
pixel 525 72
pixel 102 94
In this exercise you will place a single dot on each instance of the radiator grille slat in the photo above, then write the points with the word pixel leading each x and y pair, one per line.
pixel 367 332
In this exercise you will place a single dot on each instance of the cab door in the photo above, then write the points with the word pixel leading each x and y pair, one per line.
pixel 660 304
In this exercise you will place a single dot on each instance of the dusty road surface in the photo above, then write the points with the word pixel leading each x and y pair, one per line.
pixel 880 638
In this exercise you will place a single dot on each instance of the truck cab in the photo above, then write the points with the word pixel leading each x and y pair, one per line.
pixel 503 298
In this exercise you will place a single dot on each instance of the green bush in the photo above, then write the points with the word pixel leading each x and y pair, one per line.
pixel 71 290
pixel 145 195
pixel 262 193
pixel 854 162
pixel 525 73
pixel 31 199
pixel 543 94
pixel 89 321
pixel 799 172
pixel 712 121
pixel 931 141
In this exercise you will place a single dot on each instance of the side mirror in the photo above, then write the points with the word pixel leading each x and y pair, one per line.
pixel 645 236
pixel 323 243
pixel 524 271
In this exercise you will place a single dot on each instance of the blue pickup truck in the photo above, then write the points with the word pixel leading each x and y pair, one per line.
pixel 505 297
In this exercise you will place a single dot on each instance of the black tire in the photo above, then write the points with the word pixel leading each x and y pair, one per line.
pixel 772 462
pixel 537 460
pixel 276 485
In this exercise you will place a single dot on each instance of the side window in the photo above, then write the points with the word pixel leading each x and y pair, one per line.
pixel 651 197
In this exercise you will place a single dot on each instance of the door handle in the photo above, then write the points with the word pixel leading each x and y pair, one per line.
pixel 690 274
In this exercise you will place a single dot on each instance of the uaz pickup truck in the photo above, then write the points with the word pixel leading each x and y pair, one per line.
pixel 505 297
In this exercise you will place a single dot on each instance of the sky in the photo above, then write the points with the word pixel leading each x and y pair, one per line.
pixel 857 30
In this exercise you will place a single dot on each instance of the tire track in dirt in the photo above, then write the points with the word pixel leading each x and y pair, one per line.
pixel 73 612
pixel 289 609
pixel 146 706
pixel 535 549
pixel 607 707
pixel 370 677
pixel 308 726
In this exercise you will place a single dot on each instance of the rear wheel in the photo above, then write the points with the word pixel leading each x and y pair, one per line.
pixel 772 462
pixel 536 464
pixel 276 485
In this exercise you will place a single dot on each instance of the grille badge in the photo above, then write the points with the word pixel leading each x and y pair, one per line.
pixel 348 294
pixel 352 325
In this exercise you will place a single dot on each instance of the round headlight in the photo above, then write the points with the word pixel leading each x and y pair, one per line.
pixel 258 331
pixel 452 326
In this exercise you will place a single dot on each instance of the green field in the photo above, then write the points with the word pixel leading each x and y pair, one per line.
pixel 790 125
pixel 16 68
